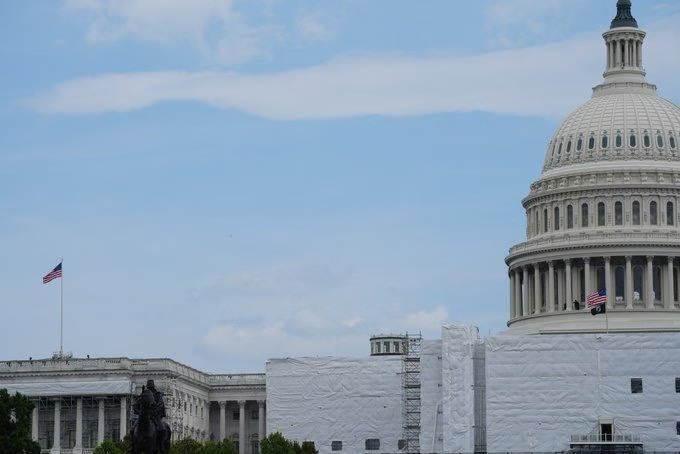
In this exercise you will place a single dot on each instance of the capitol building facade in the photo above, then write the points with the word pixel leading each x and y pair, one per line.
pixel 603 219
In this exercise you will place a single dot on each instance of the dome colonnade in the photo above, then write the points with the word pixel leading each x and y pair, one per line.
pixel 603 215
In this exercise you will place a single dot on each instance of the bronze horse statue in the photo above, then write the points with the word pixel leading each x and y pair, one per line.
pixel 147 435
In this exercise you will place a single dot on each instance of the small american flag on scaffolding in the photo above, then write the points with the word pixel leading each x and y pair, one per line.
pixel 55 273
pixel 596 298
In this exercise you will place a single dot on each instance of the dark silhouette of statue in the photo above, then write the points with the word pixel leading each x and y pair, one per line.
pixel 150 434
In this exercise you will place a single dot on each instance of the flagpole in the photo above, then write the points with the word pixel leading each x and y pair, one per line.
pixel 61 333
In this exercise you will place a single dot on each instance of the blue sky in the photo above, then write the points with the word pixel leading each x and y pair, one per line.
pixel 229 180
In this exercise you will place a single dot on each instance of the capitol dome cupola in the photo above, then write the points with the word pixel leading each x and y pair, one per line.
pixel 604 215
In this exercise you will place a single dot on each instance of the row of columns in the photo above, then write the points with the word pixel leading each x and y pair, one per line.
pixel 242 437
pixel 624 52
pixel 78 447
pixel 525 298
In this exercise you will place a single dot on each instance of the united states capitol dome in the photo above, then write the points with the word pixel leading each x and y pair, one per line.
pixel 602 219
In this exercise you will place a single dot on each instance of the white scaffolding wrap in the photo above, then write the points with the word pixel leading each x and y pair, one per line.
pixel 543 389
pixel 431 422
pixel 336 399
pixel 458 346
pixel 69 388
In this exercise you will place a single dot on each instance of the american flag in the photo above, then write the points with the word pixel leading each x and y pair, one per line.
pixel 596 298
pixel 55 273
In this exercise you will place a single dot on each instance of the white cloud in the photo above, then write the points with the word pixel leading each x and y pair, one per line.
pixel 542 80
pixel 312 28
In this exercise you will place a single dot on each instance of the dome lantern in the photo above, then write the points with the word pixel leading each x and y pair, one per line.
pixel 624 48
pixel 624 17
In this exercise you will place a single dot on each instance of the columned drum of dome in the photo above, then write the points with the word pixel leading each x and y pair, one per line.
pixel 603 215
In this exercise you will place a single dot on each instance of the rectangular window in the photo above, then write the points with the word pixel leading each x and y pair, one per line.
pixel 677 427
pixel 336 445
pixel 636 385
pixel 372 444
pixel 386 346
pixel 377 347
pixel 677 384
pixel 396 347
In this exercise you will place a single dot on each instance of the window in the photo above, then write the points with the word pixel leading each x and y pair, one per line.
pixel 656 283
pixel 605 141
pixel 659 141
pixel 618 213
pixel 600 214
pixel 677 427
pixel 396 347
pixel 236 415
pixel 671 142
pixel 377 347
pixel 619 280
pixel 636 385
pixel 579 144
pixel 545 220
pixel 336 445
pixel 636 213
pixel 591 143
pixel 255 414
pixel 647 141
pixel 653 219
pixel 619 141
pixel 677 384
pixel 669 214
pixel 638 288
pixel 633 141
pixel 386 346
pixel 559 150
pixel 538 223
pixel 570 217
pixel 584 215
pixel 372 444
pixel 556 220
pixel 569 146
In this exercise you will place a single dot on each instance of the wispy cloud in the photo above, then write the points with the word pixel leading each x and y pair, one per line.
pixel 543 80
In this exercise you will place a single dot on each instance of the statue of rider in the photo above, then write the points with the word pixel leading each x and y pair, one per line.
pixel 158 412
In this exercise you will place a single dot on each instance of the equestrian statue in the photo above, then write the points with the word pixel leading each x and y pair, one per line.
pixel 150 434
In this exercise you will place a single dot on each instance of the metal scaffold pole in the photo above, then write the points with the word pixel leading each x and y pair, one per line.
pixel 411 394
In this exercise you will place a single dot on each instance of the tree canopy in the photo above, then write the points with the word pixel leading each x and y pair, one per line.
pixel 15 424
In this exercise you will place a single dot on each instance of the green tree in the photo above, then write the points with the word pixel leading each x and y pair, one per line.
pixel 276 443
pixel 15 424
pixel 220 447
pixel 108 447
pixel 186 446
pixel 308 448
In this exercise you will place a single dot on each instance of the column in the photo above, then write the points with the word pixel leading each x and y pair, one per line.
pixel 608 282
pixel 34 421
pixel 223 422
pixel 550 300
pixel 518 294
pixel 123 417
pixel 56 445
pixel 261 417
pixel 635 48
pixel 586 272
pixel 242 426
pixel 100 422
pixel 511 279
pixel 649 283
pixel 78 448
pixel 629 282
pixel 537 288
pixel 567 285
pixel 560 290
pixel 525 291
pixel 626 52
pixel 669 297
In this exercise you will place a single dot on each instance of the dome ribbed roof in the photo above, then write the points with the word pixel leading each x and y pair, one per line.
pixel 601 130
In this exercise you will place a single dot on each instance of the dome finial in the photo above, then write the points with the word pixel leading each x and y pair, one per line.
pixel 624 17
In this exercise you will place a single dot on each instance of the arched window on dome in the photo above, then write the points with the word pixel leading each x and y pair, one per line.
pixel 619 141
pixel 659 141
pixel 670 220
pixel 570 217
pixel 636 213
pixel 559 150
pixel 538 222
pixel 618 213
pixel 600 214
pixel 656 284
pixel 545 220
pixel 556 219
pixel 646 141
pixel 638 287
pixel 605 141
pixel 569 147
pixel 579 144
pixel 671 142
pixel 632 141
pixel 619 282
pixel 653 213
pixel 584 215
pixel 591 143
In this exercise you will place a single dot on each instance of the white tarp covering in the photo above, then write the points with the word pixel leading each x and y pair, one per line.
pixel 69 388
pixel 542 389
pixel 336 399
pixel 431 421
pixel 458 346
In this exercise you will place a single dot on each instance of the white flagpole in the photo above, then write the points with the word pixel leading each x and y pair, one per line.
pixel 61 334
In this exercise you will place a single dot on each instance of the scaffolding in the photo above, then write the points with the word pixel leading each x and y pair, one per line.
pixel 410 381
